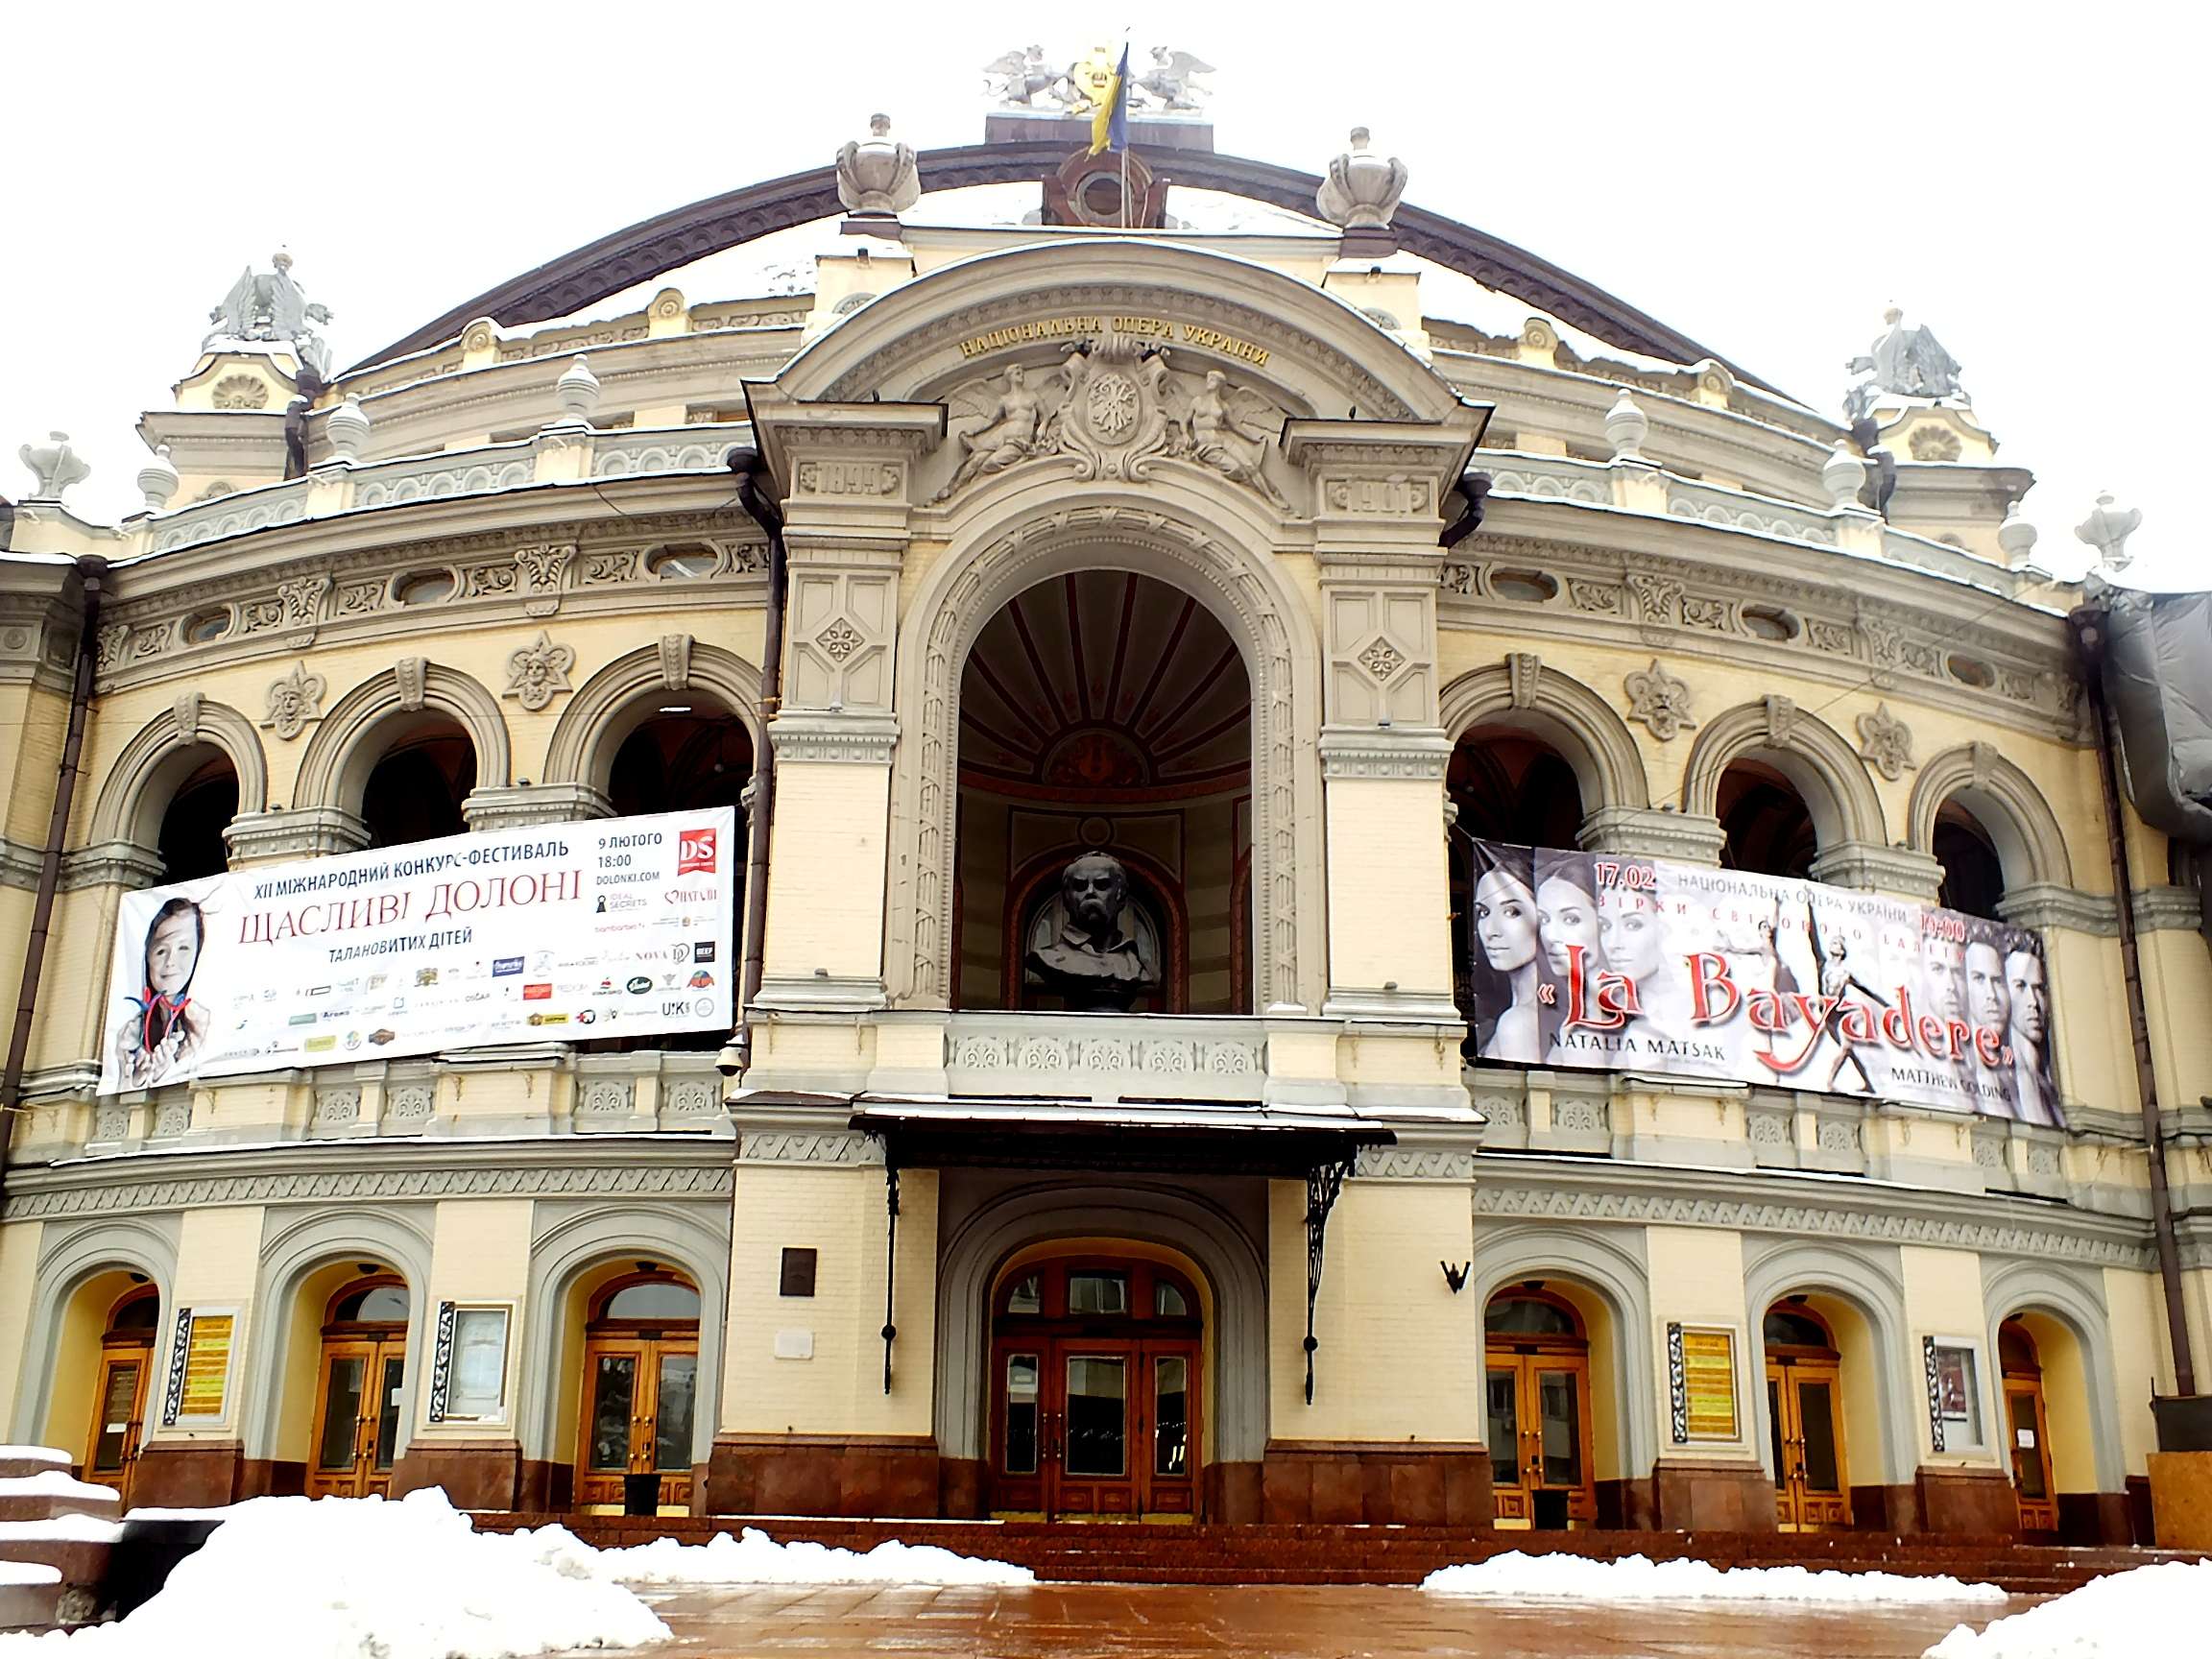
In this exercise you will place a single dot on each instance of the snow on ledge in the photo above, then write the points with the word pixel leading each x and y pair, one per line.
pixel 755 1559
pixel 2148 1610
pixel 53 1483
pixel 14 1573
pixel 1639 1579
pixel 36 1454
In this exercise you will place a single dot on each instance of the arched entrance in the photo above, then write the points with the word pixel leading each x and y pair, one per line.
pixel 2027 1428
pixel 359 1381
pixel 1537 1384
pixel 1805 1418
pixel 1095 1368
pixel 119 1395
pixel 641 1390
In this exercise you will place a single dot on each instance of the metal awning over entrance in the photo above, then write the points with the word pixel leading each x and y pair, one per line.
pixel 1151 1138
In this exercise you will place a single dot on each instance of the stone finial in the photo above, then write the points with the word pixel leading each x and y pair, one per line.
pixel 55 465
pixel 2016 537
pixel 2107 529
pixel 157 480
pixel 578 390
pixel 878 176
pixel 345 428
pixel 1627 426
pixel 1361 189
pixel 1843 475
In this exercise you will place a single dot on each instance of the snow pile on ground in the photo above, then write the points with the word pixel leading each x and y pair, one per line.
pixel 342 1578
pixel 1565 1578
pixel 755 1558
pixel 2157 1609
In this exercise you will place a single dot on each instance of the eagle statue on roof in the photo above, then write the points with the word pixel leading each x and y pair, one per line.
pixel 1171 81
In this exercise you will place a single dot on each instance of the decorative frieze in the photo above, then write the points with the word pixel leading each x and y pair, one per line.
pixel 1385 752
pixel 806 1146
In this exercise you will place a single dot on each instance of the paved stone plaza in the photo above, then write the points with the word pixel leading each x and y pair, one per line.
pixel 1281 1623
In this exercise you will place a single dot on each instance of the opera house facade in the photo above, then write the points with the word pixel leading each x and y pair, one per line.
pixel 1270 863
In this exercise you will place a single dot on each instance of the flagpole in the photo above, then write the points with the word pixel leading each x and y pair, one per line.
pixel 1122 92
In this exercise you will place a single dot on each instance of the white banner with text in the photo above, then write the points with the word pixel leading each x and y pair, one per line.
pixel 603 927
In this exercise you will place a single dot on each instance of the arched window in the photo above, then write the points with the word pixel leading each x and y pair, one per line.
pixel 1530 1313
pixel 1792 1327
pixel 648 1297
pixel 690 754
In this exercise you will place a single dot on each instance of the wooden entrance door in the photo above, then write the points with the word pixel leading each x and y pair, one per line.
pixel 640 1391
pixel 119 1400
pixel 1095 1393
pixel 358 1388
pixel 2028 1437
pixel 1805 1420
pixel 1537 1411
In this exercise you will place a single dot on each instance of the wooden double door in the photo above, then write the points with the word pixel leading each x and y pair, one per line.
pixel 1095 1393
pixel 642 1401
pixel 1805 1418
pixel 357 1414
pixel 119 1416
pixel 1538 1412
pixel 1096 1426
pixel 2030 1449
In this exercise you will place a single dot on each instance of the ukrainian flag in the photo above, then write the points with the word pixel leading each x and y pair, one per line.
pixel 1110 124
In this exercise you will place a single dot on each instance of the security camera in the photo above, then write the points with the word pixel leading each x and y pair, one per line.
pixel 731 1060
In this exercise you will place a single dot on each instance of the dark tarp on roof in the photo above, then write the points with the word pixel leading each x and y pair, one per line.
pixel 2158 679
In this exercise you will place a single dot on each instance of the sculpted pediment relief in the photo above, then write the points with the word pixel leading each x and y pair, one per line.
pixel 1114 407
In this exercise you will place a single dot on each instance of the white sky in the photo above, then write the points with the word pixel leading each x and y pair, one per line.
pixel 2029 181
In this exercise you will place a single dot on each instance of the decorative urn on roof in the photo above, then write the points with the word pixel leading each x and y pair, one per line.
pixel 876 176
pixel 55 465
pixel 1361 192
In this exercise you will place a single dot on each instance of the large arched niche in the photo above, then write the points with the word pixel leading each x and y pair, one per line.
pixel 626 692
pixel 355 734
pixel 1230 1262
pixel 1559 710
pixel 2005 801
pixel 1323 357
pixel 1016 534
pixel 1810 754
pixel 2079 1379
pixel 1867 1284
pixel 158 758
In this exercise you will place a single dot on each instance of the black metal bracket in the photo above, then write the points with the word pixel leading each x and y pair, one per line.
pixel 890 1260
pixel 1323 1184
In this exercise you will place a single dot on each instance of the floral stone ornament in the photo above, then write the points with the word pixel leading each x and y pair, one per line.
pixel 1660 700
pixel 538 671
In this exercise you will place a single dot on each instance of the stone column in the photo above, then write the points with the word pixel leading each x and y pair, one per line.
pixel 847 474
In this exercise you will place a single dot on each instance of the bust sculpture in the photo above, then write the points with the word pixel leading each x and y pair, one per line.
pixel 1093 963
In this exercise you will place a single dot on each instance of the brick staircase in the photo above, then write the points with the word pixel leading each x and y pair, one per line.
pixel 1124 1554
pixel 49 1519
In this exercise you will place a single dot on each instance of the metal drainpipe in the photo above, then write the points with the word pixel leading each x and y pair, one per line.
pixel 2088 626
pixel 93 570
pixel 748 468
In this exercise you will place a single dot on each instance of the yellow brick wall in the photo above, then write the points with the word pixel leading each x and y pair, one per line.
pixel 825 886
pixel 1387 885
pixel 1696 1279
pixel 217 1261
pixel 479 1253
pixel 840 1214
pixel 18 1263
pixel 1943 1298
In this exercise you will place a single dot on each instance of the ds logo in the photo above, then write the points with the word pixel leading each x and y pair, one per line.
pixel 695 851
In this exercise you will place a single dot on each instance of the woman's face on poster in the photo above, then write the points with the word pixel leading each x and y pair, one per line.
pixel 1570 917
pixel 1504 922
pixel 172 952
pixel 1635 942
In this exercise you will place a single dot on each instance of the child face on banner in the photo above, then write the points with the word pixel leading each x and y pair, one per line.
pixel 172 952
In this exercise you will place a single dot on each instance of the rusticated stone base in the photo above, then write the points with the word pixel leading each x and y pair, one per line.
pixel 188 1474
pixel 1378 1482
pixel 2096 1517
pixel 1976 1501
pixel 1715 1497
pixel 1626 1505
pixel 475 1474
pixel 960 1489
pixel 1232 1494
pixel 270 1478
pixel 879 1475
pixel 544 1488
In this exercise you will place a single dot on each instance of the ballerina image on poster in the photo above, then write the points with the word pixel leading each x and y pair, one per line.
pixel 167 1028
pixel 1509 945
pixel 1567 917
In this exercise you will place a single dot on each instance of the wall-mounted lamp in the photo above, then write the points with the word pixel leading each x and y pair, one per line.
pixel 1457 1277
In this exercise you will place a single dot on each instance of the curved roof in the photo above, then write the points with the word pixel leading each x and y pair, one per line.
pixel 652 247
